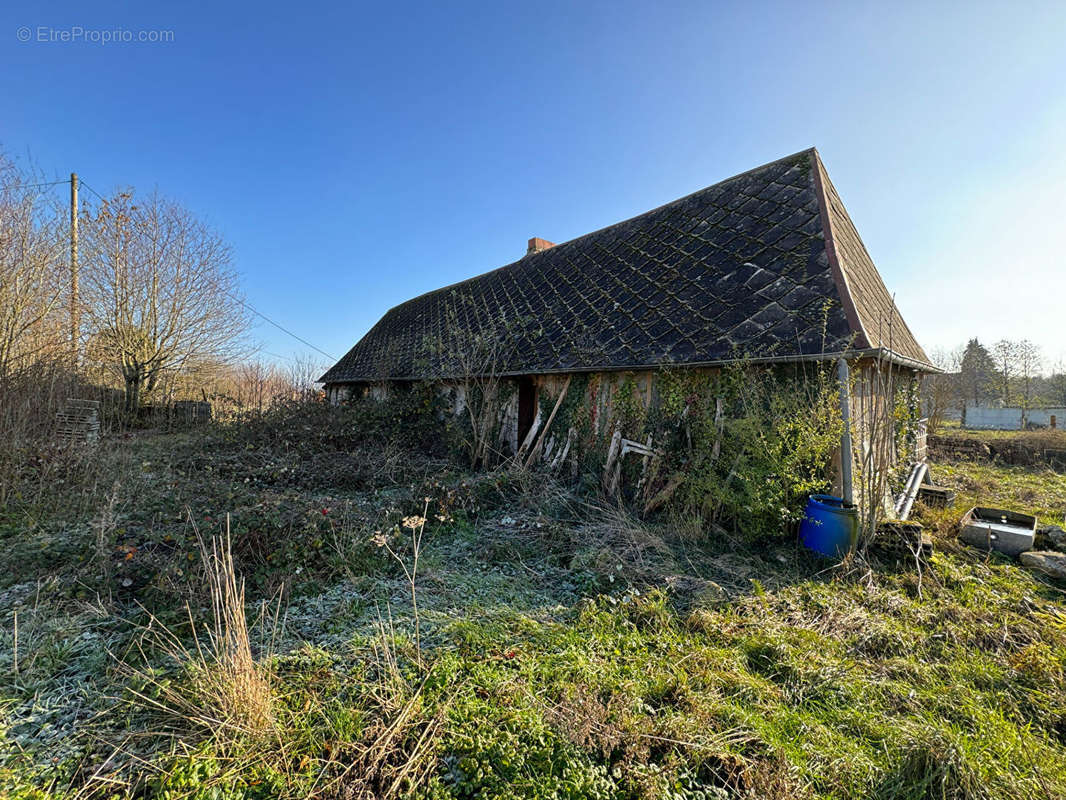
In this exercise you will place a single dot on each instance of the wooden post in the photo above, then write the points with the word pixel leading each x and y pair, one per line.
pixel 571 435
pixel 75 323
pixel 719 423
pixel 612 454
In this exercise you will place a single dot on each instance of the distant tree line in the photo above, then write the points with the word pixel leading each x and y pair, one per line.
pixel 1006 373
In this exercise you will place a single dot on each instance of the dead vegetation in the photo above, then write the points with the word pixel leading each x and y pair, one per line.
pixel 226 692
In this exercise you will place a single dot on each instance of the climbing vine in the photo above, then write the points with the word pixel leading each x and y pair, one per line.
pixel 739 448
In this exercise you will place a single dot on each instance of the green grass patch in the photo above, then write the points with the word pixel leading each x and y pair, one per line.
pixel 1031 490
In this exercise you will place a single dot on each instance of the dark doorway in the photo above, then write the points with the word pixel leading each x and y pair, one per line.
pixel 527 407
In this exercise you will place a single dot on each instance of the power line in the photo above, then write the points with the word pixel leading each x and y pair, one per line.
pixel 81 181
pixel 38 185
pixel 282 329
pixel 239 300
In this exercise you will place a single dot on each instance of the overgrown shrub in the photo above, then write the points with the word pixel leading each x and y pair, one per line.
pixel 742 448
pixel 750 443
pixel 412 417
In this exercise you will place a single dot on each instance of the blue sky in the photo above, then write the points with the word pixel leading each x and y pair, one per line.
pixel 357 155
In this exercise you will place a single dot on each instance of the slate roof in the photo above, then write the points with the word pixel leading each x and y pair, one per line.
pixel 764 265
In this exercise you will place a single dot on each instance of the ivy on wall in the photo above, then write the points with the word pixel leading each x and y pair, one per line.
pixel 741 447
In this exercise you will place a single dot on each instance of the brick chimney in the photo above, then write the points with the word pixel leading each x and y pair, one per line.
pixel 536 244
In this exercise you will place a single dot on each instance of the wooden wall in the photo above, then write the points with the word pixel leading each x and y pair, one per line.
pixel 872 407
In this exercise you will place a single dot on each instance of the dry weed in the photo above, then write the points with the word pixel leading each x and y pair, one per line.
pixel 225 690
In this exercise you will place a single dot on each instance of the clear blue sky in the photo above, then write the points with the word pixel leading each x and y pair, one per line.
pixel 355 156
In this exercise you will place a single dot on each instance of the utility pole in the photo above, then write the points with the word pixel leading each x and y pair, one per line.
pixel 75 326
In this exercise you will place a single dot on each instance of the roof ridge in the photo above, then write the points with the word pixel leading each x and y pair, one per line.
pixel 807 151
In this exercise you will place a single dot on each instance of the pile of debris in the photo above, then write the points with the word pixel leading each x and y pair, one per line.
pixel 79 421
pixel 901 541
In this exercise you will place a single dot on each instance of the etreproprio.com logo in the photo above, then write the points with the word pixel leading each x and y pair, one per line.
pixel 46 34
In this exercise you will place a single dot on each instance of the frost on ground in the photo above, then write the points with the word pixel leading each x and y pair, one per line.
pixel 564 647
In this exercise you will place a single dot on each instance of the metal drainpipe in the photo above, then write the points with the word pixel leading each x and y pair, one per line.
pixel 845 438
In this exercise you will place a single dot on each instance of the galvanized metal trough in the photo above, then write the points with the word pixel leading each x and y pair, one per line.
pixel 1007 532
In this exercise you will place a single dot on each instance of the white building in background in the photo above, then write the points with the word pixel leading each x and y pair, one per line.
pixel 1012 418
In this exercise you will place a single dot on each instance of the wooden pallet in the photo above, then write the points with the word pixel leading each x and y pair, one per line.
pixel 79 421
pixel 902 542
pixel 936 496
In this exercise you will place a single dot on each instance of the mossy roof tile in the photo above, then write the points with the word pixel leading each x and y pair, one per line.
pixel 764 264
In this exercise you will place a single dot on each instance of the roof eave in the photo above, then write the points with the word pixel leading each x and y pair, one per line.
pixel 877 353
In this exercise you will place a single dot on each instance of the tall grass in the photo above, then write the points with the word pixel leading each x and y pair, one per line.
pixel 225 691
pixel 239 688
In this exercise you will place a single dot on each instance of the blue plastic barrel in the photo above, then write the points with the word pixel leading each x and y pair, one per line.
pixel 828 527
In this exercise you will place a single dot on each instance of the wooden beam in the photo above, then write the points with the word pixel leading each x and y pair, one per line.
pixel 547 425
pixel 612 454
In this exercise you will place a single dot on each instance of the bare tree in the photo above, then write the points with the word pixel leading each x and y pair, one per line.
pixel 257 385
pixel 158 291
pixel 303 372
pixel 878 463
pixel 1005 354
pixel 31 270
pixel 475 353
pixel 1030 363
pixel 942 389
